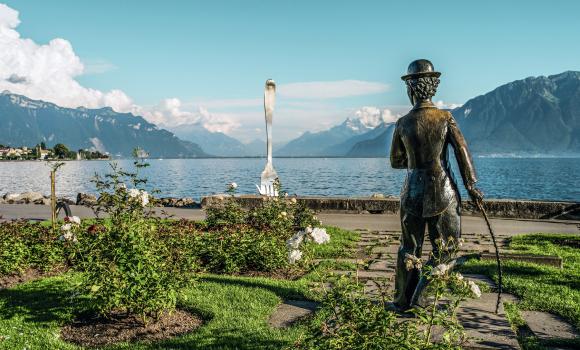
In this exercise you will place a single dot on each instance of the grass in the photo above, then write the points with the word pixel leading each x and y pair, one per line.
pixel 539 287
pixel 341 245
pixel 235 309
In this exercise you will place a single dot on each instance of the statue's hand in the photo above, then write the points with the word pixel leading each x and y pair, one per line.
pixel 475 194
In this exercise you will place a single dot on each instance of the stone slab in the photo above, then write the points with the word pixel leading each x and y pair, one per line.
pixel 291 311
pixel 365 275
pixel 382 265
pixel 548 326
pixel 486 329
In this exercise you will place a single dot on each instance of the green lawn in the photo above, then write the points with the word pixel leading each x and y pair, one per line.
pixel 341 245
pixel 235 309
pixel 539 287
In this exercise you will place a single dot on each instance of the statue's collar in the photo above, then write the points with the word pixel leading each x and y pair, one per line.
pixel 424 104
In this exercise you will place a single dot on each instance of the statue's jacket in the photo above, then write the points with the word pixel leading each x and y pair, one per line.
pixel 420 142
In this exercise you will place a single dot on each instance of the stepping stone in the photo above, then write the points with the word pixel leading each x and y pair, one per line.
pixel 547 326
pixel 485 329
pixel 382 265
pixel 372 243
pixel 365 275
pixel 390 249
pixel 291 311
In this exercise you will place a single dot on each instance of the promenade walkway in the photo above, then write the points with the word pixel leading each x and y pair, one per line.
pixel 370 222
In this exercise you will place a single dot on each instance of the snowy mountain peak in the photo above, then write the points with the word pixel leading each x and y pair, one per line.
pixel 356 124
pixel 368 118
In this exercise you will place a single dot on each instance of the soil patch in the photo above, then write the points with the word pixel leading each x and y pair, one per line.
pixel 12 280
pixel 99 331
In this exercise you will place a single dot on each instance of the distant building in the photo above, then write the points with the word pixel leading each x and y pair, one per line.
pixel 140 153
pixel 15 153
pixel 43 153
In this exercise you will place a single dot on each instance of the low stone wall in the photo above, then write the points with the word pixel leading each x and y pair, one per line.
pixel 504 208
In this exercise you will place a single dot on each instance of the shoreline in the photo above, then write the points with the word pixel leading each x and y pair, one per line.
pixel 376 204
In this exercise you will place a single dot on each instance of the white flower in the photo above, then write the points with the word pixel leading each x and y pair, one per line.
pixel 440 270
pixel 293 200
pixel 134 193
pixel 474 289
pixel 284 214
pixel 68 236
pixel 294 255
pixel 459 276
pixel 233 186
pixel 319 235
pixel 73 220
pixel 295 241
pixel 139 195
pixel 144 198
pixel 66 227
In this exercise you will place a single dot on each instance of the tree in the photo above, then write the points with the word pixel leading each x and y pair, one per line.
pixel 42 145
pixel 61 151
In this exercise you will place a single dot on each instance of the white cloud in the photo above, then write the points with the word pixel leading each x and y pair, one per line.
pixel 170 113
pixel 374 116
pixel 48 72
pixel 331 89
pixel 444 105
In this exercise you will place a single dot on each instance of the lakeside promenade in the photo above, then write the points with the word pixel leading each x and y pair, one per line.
pixel 371 222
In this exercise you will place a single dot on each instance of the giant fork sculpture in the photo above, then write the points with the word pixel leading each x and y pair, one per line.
pixel 269 178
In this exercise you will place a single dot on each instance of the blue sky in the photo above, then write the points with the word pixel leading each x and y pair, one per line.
pixel 211 58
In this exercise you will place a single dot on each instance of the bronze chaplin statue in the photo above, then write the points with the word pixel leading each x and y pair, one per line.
pixel 429 197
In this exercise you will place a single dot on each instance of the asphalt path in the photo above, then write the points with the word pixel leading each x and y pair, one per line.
pixel 373 222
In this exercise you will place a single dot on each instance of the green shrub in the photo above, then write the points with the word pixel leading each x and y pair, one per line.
pixel 241 249
pixel 126 264
pixel 25 245
pixel 280 215
pixel 230 249
pixel 226 212
pixel 255 240
pixel 14 254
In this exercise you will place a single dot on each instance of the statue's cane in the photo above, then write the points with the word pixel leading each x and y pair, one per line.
pixel 479 204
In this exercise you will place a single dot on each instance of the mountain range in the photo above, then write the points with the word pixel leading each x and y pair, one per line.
pixel 27 122
pixel 218 143
pixel 532 115
pixel 336 141
pixel 536 115
pixel 528 116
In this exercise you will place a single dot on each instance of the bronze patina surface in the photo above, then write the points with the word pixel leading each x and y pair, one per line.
pixel 430 197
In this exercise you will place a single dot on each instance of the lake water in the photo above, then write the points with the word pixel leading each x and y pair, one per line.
pixel 517 178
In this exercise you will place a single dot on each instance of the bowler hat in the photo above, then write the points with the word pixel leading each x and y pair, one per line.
pixel 420 68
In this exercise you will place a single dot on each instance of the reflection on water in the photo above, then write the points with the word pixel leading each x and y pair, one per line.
pixel 523 178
